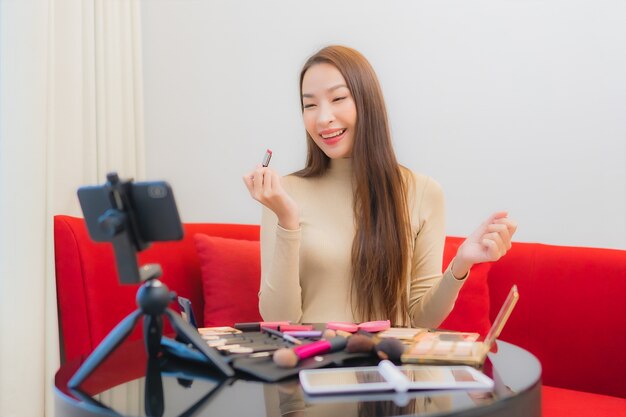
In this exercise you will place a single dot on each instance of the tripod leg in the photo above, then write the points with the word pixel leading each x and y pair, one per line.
pixel 152 332
pixel 104 349
pixel 153 400
pixel 191 334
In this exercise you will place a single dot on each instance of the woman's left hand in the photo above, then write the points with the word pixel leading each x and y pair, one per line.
pixel 489 242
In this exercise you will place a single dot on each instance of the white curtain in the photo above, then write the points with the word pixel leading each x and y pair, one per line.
pixel 71 110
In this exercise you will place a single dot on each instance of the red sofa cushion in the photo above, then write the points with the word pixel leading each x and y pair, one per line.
pixel 231 271
pixel 559 402
pixel 471 310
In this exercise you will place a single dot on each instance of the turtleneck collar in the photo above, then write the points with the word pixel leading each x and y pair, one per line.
pixel 340 166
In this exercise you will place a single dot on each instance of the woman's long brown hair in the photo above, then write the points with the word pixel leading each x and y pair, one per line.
pixel 380 250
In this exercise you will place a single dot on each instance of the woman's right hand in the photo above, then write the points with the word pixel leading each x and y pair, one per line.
pixel 265 186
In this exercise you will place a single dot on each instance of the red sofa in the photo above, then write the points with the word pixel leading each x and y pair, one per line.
pixel 571 313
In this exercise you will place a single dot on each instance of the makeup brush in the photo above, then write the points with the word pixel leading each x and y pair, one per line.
pixel 288 358
pixel 329 334
pixel 360 343
pixel 389 348
pixel 285 358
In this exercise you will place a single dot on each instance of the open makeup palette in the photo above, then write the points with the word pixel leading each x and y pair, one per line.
pixel 440 347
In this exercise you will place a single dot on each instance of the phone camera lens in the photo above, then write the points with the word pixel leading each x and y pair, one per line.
pixel 157 191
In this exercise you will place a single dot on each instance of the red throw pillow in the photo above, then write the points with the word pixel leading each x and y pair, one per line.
pixel 471 310
pixel 231 272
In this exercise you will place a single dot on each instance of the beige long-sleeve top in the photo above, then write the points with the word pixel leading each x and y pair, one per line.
pixel 306 273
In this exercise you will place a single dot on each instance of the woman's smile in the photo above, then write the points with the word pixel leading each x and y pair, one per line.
pixel 332 136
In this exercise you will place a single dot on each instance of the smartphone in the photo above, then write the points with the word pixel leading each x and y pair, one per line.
pixel 370 379
pixel 153 202
pixel 130 216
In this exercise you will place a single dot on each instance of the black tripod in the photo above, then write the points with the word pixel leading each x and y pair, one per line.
pixel 130 216
pixel 152 297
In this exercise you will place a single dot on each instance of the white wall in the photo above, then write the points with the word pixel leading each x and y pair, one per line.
pixel 509 104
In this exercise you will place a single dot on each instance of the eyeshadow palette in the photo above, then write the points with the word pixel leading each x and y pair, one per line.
pixel 458 348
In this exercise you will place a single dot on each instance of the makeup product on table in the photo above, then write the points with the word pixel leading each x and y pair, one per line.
pixel 387 377
pixel 229 340
pixel 294 327
pixel 393 375
pixel 304 333
pixel 288 358
pixel 346 327
pixel 221 330
pixel 375 326
pixel 256 326
pixel 402 333
pixel 369 326
pixel 329 334
pixel 459 348
pixel 283 336
pixel 391 349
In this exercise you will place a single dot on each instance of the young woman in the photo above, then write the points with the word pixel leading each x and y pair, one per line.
pixel 354 236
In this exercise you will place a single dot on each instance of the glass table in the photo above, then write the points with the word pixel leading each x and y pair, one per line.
pixel 124 386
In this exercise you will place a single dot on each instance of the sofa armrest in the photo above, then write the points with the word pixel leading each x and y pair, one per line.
pixel 571 313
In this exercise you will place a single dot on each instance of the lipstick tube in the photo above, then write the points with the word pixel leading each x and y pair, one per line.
pixel 256 326
pixel 266 158
pixel 346 327
pixel 295 327
pixel 304 333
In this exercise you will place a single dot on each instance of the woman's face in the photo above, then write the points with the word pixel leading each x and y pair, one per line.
pixel 329 110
